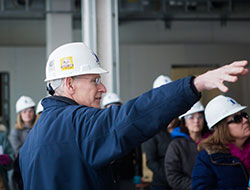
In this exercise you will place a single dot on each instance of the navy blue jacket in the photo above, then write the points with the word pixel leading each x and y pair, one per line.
pixel 71 146
pixel 219 171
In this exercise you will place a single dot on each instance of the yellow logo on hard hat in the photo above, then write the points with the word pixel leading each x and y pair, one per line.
pixel 66 63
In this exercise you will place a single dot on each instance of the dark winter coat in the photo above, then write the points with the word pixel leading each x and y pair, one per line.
pixel 155 149
pixel 219 171
pixel 179 161
pixel 71 146
pixel 128 166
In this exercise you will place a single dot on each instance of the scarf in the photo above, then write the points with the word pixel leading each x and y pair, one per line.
pixel 243 155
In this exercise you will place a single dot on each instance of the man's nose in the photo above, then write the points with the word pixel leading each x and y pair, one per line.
pixel 102 88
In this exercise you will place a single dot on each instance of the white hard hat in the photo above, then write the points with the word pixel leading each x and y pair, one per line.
pixel 110 98
pixel 72 59
pixel 39 107
pixel 197 107
pixel 161 80
pixel 24 102
pixel 219 108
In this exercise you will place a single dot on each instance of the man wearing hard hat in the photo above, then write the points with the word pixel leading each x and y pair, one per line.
pixel 74 141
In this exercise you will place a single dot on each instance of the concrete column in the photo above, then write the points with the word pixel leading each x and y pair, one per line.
pixel 108 42
pixel 58 23
pixel 89 24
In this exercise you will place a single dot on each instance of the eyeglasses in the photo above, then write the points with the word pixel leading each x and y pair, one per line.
pixel 96 80
pixel 239 118
pixel 200 116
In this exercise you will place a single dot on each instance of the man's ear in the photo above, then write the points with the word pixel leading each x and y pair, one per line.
pixel 69 84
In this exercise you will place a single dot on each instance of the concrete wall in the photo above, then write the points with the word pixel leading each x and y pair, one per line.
pixel 148 49
pixel 22 32
pixel 26 68
pixel 141 64
pixel 184 32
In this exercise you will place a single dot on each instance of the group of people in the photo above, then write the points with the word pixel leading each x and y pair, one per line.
pixel 171 153
pixel 204 148
pixel 127 170
pixel 75 144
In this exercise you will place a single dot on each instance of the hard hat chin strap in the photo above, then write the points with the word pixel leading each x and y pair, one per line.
pixel 53 85
pixel 50 89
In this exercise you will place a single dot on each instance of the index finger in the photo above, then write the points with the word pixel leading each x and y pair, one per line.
pixel 242 63
pixel 237 68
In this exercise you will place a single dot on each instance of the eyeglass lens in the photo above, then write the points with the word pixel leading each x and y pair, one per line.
pixel 199 116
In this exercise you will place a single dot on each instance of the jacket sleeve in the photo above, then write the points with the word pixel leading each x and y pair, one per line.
pixel 106 134
pixel 203 176
pixel 154 163
pixel 15 140
pixel 176 178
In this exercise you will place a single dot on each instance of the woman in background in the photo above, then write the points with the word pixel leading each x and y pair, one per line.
pixel 25 108
pixel 224 160
pixel 182 151
pixel 26 118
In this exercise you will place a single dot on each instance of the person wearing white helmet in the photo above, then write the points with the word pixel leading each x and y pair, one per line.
pixel 111 99
pixel 16 178
pixel 156 147
pixel 224 160
pixel 39 108
pixel 25 109
pixel 161 80
pixel 74 141
pixel 182 151
pixel 127 171
pixel 193 123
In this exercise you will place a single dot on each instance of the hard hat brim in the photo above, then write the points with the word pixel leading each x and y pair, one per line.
pixel 98 70
pixel 233 111
pixel 191 112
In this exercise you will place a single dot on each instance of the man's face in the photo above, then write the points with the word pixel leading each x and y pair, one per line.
pixel 88 90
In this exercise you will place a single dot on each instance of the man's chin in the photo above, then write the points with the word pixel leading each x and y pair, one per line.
pixel 97 104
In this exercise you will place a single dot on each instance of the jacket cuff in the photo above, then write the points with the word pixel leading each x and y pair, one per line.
pixel 195 91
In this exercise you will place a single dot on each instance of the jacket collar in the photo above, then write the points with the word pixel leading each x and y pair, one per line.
pixel 64 99
pixel 223 158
